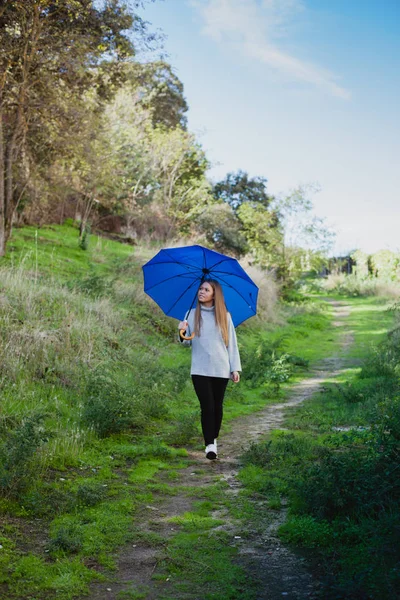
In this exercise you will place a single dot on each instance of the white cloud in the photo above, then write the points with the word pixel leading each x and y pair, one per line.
pixel 254 29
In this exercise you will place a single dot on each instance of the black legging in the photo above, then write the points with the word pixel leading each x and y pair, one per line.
pixel 210 392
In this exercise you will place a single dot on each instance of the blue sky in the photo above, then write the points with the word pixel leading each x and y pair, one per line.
pixel 298 91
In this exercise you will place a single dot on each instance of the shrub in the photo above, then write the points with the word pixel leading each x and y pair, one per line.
pixel 258 454
pixel 17 454
pixel 351 481
pixel 45 499
pixel 368 388
pixel 306 531
pixel 93 284
pixel 109 404
pixel 184 430
pixel 263 362
pixel 352 285
pixel 90 493
pixel 67 538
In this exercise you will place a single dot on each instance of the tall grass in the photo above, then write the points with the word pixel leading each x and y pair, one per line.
pixel 268 294
pixel 352 285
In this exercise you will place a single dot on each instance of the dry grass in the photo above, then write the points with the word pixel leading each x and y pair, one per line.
pixel 355 286
pixel 45 327
pixel 268 294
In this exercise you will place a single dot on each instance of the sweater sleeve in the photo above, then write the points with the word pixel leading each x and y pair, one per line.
pixel 233 350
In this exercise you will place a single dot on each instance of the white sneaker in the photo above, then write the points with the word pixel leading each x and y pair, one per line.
pixel 215 444
pixel 211 451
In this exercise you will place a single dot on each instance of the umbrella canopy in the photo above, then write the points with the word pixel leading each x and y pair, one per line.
pixel 173 276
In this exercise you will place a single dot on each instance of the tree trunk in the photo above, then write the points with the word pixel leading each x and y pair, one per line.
pixel 2 190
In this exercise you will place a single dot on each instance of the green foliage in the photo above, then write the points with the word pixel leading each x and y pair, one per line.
pixel 307 531
pixel 340 476
pixel 109 405
pixel 68 539
pixel 48 123
pixel 238 188
pixel 159 91
pixel 90 493
pixel 93 283
pixel 104 362
pixel 84 237
pixel 17 452
pixel 44 499
pixel 263 363
pixel 258 454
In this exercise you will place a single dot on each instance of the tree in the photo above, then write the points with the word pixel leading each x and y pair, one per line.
pixel 263 234
pixel 157 89
pixel 307 239
pixel 253 225
pixel 183 189
pixel 223 229
pixel 238 188
pixel 50 54
pixel 302 228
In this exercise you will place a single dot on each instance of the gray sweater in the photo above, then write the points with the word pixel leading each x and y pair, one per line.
pixel 210 356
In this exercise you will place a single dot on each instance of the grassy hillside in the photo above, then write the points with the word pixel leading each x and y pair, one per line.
pixel 96 400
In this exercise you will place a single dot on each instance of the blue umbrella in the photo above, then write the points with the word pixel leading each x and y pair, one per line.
pixel 173 276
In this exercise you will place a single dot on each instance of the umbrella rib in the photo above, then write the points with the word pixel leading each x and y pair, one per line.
pixel 236 275
pixel 155 264
pixel 183 264
pixel 183 293
pixel 231 286
pixel 183 275
pixel 221 261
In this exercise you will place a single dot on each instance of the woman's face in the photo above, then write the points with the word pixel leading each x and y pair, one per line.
pixel 206 293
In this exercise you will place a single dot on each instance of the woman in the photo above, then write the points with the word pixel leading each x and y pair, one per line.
pixel 215 357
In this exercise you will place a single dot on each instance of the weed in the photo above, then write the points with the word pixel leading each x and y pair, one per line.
pixel 109 405
pixel 67 538
pixel 307 531
pixel 17 454
pixel 90 493
pixel 258 454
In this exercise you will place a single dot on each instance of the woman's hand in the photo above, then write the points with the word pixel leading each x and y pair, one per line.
pixel 235 376
pixel 183 325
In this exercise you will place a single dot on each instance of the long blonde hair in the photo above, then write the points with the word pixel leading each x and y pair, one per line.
pixel 221 314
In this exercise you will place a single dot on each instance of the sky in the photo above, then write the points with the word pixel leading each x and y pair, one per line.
pixel 300 92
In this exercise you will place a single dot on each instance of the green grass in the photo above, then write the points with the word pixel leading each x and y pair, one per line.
pixel 54 252
pixel 98 412
pixel 335 464
pixel 370 319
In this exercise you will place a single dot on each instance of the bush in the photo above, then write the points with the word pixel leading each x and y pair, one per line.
pixel 264 363
pixel 45 499
pixel 90 493
pixel 368 388
pixel 67 538
pixel 109 405
pixel 184 430
pixel 258 454
pixel 306 531
pixel 17 454
pixel 352 481
pixel 93 284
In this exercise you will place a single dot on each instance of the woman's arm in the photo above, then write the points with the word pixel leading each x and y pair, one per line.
pixel 233 350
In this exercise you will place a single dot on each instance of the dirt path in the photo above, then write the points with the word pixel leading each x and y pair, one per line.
pixel 279 573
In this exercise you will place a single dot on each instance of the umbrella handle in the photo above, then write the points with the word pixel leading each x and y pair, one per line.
pixel 183 336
